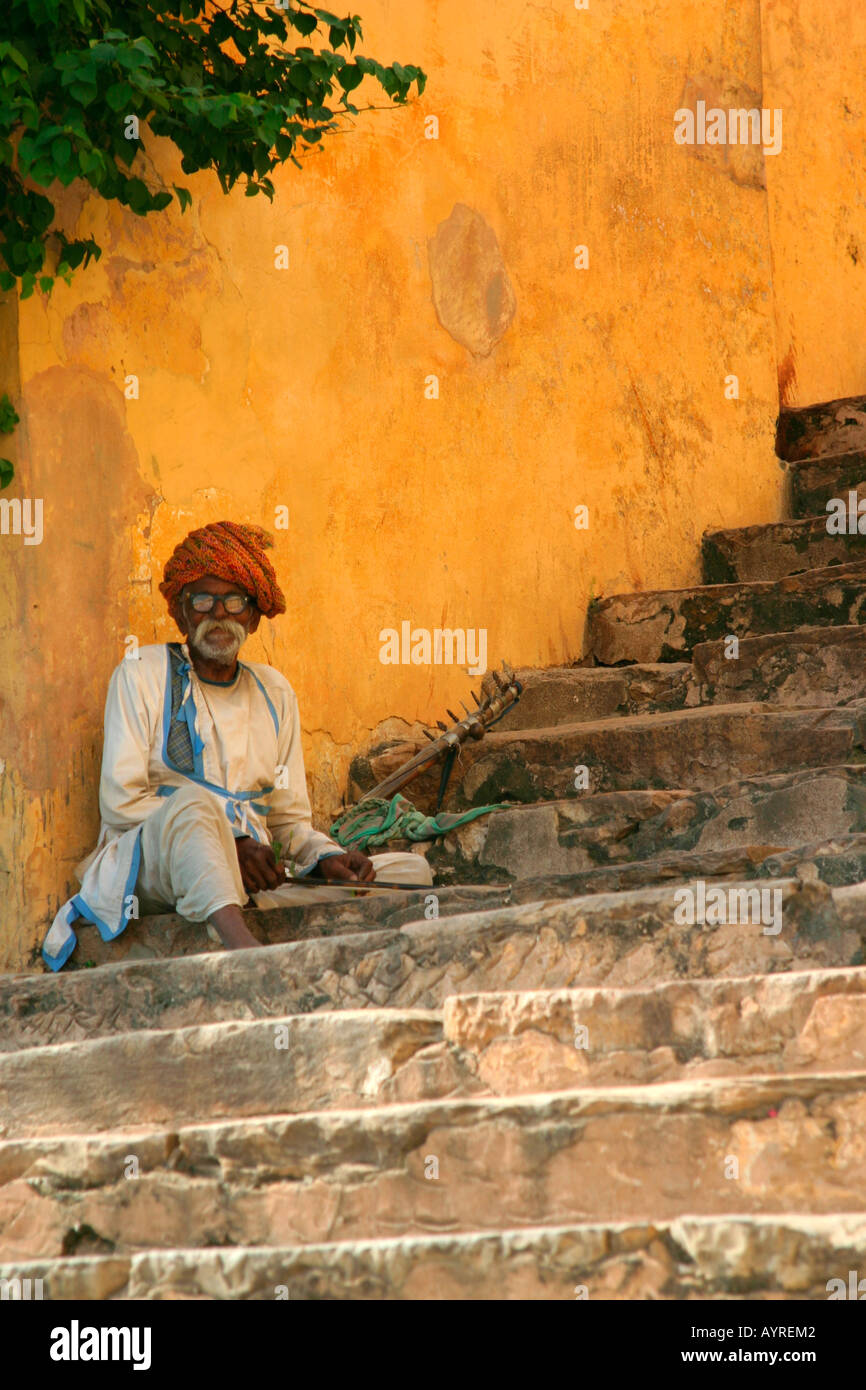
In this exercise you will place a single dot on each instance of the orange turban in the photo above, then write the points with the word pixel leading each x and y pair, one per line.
pixel 231 551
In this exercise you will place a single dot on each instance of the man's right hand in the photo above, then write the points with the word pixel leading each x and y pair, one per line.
pixel 258 866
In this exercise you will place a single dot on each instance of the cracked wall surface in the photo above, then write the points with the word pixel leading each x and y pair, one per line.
pixel 412 259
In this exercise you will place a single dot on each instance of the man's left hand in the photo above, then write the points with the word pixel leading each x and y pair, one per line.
pixel 351 867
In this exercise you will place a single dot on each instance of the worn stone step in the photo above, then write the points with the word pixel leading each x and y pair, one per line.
pixel 237 1068
pixel 565 837
pixel 746 1145
pixel 805 432
pixel 569 694
pixel 169 935
pixel 542 1040
pixel 697 748
pixel 815 482
pixel 837 861
pixel 551 696
pixel 745 553
pixel 667 624
pixel 813 667
pixel 571 836
pixel 772 1257
pixel 619 939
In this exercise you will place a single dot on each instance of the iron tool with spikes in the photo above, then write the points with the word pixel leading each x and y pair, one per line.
pixel 474 725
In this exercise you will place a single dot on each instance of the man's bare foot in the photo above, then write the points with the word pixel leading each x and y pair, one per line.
pixel 233 931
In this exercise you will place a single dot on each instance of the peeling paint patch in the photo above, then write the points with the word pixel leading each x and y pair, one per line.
pixel 742 164
pixel 472 293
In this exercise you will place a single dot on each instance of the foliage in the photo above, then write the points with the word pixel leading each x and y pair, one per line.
pixel 79 79
pixel 9 418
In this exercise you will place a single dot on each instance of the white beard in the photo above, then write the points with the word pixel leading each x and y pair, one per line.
pixel 219 655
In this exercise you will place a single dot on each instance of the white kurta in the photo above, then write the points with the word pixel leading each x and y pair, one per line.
pixel 246 739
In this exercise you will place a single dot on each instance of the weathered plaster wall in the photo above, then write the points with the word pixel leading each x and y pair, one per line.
pixel 408 258
pixel 813 71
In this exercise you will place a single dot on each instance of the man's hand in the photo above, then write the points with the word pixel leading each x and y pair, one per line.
pixel 258 865
pixel 351 867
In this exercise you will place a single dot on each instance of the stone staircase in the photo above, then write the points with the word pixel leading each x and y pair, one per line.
pixel 558 1087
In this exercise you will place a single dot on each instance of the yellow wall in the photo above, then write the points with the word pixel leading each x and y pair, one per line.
pixel 813 70
pixel 408 258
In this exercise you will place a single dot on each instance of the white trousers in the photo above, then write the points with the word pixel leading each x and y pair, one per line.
pixel 189 863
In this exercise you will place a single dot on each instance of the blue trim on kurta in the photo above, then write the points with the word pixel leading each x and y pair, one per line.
pixel 267 698
pixel 197 775
pixel 83 908
pixel 57 962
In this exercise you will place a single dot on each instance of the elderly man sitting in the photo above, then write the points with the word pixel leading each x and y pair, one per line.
pixel 202 766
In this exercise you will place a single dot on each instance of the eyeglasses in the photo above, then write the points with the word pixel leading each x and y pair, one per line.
pixel 232 603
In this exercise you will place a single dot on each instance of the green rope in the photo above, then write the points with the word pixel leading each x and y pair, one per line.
pixel 376 822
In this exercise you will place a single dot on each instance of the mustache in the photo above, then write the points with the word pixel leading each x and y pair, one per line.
pixel 207 626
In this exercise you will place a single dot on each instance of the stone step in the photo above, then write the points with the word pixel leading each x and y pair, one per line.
pixel 582 833
pixel 569 694
pixel 288 1064
pixel 809 431
pixel 551 1040
pixel 619 939
pixel 837 861
pixel 698 748
pixel 747 1258
pixel 814 667
pixel 667 624
pixel 751 1145
pixel 169 935
pixel 747 553
pixel 815 482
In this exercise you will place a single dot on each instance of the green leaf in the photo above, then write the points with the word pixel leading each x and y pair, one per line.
pixel 83 92
pixel 349 77
pixel 7 51
pixel 219 114
pixel 7 473
pixel 136 194
pixel 184 197
pixel 119 94
pixel 89 161
pixel 43 172
pixel 78 6
pixel 61 151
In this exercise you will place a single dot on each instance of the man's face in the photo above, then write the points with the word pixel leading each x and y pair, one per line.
pixel 217 636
